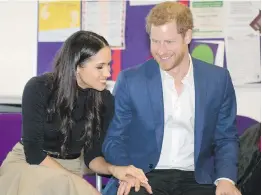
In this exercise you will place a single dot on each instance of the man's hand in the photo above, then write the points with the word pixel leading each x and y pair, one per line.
pixel 122 173
pixel 125 186
pixel 225 187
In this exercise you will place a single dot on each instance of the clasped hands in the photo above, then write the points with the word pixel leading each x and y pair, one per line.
pixel 130 176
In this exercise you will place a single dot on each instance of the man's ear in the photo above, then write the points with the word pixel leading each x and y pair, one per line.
pixel 188 36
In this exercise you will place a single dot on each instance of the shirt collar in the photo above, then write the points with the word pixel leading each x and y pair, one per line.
pixel 188 78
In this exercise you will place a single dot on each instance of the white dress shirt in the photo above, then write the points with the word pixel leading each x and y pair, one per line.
pixel 179 113
pixel 179 117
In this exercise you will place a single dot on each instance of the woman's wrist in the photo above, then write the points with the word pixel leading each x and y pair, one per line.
pixel 111 169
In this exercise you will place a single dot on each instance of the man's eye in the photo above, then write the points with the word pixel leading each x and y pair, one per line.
pixel 154 41
pixel 169 42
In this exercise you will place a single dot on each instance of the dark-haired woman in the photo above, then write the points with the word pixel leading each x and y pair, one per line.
pixel 65 113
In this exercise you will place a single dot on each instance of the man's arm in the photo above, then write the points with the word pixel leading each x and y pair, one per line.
pixel 114 147
pixel 226 136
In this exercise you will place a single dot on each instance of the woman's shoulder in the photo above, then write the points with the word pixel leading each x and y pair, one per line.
pixel 38 84
pixel 108 101
pixel 108 98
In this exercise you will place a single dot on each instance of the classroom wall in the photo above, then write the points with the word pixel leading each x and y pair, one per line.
pixel 22 56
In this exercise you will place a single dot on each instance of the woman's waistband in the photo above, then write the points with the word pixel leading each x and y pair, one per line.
pixel 57 155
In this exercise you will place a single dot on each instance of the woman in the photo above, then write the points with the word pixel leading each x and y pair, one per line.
pixel 64 113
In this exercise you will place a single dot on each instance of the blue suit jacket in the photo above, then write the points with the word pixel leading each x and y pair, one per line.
pixel 135 134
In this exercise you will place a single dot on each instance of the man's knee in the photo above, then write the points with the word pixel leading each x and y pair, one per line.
pixel 142 191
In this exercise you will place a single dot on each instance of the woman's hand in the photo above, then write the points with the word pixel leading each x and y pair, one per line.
pixel 122 173
pixel 125 187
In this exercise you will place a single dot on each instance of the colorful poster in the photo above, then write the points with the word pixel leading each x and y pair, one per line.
pixel 58 20
pixel 210 51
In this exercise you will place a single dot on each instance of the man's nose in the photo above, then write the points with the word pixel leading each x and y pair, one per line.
pixel 161 49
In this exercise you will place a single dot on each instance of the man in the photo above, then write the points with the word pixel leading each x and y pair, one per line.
pixel 172 114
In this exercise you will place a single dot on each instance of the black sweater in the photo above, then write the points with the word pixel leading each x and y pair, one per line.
pixel 39 133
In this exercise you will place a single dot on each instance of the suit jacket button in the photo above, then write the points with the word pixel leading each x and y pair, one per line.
pixel 150 166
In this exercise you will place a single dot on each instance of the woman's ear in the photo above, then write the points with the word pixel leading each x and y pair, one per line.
pixel 77 70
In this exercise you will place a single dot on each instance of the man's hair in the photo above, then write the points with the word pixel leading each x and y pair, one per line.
pixel 167 12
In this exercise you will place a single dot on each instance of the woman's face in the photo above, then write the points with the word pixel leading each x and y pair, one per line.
pixel 95 71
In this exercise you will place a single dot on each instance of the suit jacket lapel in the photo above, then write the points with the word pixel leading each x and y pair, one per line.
pixel 200 99
pixel 154 87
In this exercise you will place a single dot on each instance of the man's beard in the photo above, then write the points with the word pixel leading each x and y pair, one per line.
pixel 176 62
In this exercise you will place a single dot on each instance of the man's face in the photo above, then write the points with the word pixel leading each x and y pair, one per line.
pixel 167 46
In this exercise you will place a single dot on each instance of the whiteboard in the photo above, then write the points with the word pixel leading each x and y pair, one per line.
pixel 18 48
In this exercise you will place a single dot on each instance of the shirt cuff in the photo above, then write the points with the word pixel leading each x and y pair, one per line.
pixel 223 178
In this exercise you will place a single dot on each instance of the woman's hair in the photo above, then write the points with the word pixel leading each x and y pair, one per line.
pixel 168 11
pixel 76 50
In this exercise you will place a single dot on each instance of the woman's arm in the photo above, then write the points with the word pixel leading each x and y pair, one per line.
pixel 94 158
pixel 34 116
pixel 100 166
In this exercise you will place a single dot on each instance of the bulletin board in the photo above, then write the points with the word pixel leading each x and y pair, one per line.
pixel 136 51
pixel 136 40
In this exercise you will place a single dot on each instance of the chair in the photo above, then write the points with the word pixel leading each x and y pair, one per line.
pixel 89 172
pixel 249 169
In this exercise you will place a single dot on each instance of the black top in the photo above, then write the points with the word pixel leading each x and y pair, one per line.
pixel 40 134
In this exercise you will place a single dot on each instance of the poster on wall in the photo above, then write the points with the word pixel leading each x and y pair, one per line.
pixel 242 42
pixel 208 17
pixel 149 2
pixel 144 2
pixel 232 22
pixel 106 18
pixel 210 51
pixel 57 20
pixel 243 59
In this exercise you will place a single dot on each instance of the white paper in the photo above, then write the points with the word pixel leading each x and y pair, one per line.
pixel 249 101
pixel 242 42
pixel 144 2
pixel 209 17
pixel 239 16
pixel 243 59
pixel 106 18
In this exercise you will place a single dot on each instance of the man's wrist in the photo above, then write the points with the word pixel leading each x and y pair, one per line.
pixel 224 179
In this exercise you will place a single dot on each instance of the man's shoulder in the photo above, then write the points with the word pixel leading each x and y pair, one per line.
pixel 212 68
pixel 216 77
pixel 138 70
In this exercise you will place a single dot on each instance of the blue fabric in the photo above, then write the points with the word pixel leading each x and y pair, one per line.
pixel 135 134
